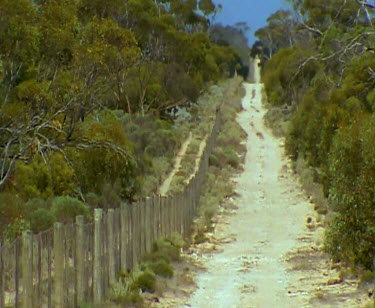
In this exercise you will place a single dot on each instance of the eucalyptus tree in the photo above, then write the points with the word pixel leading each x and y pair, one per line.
pixel 328 77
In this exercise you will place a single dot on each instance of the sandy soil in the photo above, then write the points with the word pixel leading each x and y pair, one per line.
pixel 252 271
pixel 164 188
pixel 266 248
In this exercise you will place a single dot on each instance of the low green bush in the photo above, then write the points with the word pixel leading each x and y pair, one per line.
pixel 41 219
pixel 145 281
pixel 164 250
pixel 122 293
pixel 200 236
pixel 65 209
pixel 12 211
pixel 161 268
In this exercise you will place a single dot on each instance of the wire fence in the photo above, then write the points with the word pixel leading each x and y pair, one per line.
pixel 77 263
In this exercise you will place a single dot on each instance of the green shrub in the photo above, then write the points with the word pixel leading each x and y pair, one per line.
pixel 146 281
pixel 62 175
pixel 123 293
pixel 213 160
pixel 15 229
pixel 161 268
pixel 12 210
pixel 33 179
pixel 65 209
pixel 108 161
pixel 231 157
pixel 351 232
pixel 36 203
pixel 41 219
pixel 93 200
pixel 110 197
pixel 164 250
pixel 200 236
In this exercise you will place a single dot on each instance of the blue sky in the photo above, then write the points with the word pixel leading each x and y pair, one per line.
pixel 253 12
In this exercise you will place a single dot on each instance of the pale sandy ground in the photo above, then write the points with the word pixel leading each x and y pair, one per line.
pixel 267 257
pixel 252 270
pixel 164 188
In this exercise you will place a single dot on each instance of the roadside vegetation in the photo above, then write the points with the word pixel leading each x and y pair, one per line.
pixel 147 278
pixel 147 282
pixel 225 161
pixel 86 93
pixel 318 70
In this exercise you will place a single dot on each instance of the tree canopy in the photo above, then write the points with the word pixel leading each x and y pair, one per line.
pixel 325 76
pixel 69 67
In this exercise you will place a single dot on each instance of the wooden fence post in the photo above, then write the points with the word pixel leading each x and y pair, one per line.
pixel 134 227
pixel 157 217
pixel 164 213
pixel 167 202
pixel 59 262
pixel 142 233
pixel 130 237
pixel 97 274
pixel 80 260
pixel 180 212
pixel 148 224
pixel 161 221
pixel 184 211
pixel 178 215
pixel 124 225
pixel 173 214
pixel 152 220
pixel 170 215
pixel 139 229
pixel 27 269
pixel 111 247
pixel 2 290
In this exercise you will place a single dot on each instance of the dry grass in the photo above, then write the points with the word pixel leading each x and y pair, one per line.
pixel 204 117
pixel 226 159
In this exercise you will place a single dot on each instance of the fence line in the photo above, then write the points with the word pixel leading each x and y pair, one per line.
pixel 76 263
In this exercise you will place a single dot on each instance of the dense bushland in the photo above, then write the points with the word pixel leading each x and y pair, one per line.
pixel 321 74
pixel 84 91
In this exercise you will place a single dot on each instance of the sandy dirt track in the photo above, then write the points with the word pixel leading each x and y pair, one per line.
pixel 252 271
pixel 266 250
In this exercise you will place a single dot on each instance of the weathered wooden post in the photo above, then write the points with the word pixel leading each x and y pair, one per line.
pixel 2 291
pixel 148 224
pixel 174 205
pixel 135 232
pixel 27 269
pixel 139 233
pixel 80 260
pixel 163 209
pixel 59 262
pixel 185 209
pixel 180 213
pixel 123 236
pixel 158 217
pixel 167 215
pixel 142 234
pixel 111 247
pixel 97 275
pixel 171 214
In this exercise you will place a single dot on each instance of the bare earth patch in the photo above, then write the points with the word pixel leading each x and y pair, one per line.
pixel 319 282
pixel 164 188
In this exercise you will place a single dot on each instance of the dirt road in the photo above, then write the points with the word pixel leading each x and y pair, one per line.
pixel 252 271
